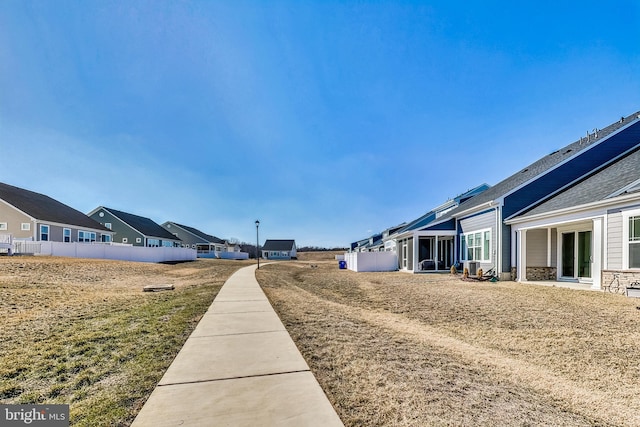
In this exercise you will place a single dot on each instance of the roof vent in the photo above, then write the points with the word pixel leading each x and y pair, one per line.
pixel 622 119
pixel 525 170
pixel 568 151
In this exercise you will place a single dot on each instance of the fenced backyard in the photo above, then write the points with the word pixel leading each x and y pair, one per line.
pixel 96 250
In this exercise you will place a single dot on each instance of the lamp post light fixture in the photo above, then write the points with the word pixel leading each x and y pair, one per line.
pixel 257 243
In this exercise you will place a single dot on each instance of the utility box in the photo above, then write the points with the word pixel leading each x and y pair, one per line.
pixel 472 267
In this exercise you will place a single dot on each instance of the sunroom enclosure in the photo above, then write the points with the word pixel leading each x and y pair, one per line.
pixel 423 252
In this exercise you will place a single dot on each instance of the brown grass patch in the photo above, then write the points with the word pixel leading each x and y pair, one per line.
pixel 401 349
pixel 83 332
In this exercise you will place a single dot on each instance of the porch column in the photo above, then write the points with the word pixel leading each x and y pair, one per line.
pixel 416 253
pixel 548 247
pixel 514 248
pixel 522 256
pixel 596 254
pixel 435 253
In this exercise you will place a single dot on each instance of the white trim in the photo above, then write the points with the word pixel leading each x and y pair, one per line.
pixel 48 233
pixel 624 189
pixel 4 226
pixel 574 209
pixel 625 237
pixel 485 257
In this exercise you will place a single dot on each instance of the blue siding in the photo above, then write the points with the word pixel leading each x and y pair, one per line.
pixel 449 225
pixel 593 158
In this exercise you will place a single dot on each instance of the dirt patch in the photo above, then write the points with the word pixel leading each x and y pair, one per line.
pixel 401 349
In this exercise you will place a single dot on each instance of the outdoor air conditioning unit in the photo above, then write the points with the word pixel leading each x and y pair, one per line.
pixel 472 266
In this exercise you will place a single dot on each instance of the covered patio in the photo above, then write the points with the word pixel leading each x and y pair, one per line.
pixel 559 251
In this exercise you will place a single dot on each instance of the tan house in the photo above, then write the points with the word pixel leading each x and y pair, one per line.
pixel 31 216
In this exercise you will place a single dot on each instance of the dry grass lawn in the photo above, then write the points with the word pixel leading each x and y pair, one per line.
pixel 82 332
pixel 396 349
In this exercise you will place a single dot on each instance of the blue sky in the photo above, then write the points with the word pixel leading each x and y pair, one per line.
pixel 327 120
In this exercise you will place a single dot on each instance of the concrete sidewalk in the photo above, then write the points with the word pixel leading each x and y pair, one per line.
pixel 239 367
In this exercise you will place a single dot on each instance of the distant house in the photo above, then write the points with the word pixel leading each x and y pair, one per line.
pixel 133 229
pixel 279 249
pixel 26 215
pixel 208 246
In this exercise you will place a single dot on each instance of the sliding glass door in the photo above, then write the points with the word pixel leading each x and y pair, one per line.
pixel 576 254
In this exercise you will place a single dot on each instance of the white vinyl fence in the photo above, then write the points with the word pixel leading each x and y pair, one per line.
pixel 371 261
pixel 106 251
pixel 224 255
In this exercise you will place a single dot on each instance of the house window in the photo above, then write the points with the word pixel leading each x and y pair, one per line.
pixel 66 235
pixel 106 238
pixel 476 246
pixel 634 242
pixel 3 226
pixel 86 236
pixel 44 233
pixel 26 226
pixel 107 225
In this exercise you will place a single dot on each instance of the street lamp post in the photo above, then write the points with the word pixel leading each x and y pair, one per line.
pixel 257 244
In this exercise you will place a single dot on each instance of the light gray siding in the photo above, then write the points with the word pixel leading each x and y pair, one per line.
pixel 482 221
pixel 614 241
pixel 478 222
pixel 537 248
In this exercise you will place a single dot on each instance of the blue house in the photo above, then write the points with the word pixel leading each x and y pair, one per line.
pixel 484 235
pixel 421 247
pixel 588 234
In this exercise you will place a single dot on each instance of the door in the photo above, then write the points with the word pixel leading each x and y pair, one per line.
pixel 576 254
pixel 568 254
pixel 445 253
pixel 584 254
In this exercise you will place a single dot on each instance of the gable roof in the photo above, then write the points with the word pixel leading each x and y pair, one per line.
pixel 278 245
pixel 441 210
pixel 144 225
pixel 618 178
pixel 44 208
pixel 204 236
pixel 542 166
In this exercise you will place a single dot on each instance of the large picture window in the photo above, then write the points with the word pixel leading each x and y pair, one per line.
pixel 476 246
pixel 634 242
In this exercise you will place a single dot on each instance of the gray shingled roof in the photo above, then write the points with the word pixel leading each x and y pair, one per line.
pixel 278 245
pixel 606 183
pixel 544 164
pixel 44 208
pixel 144 225
pixel 206 237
